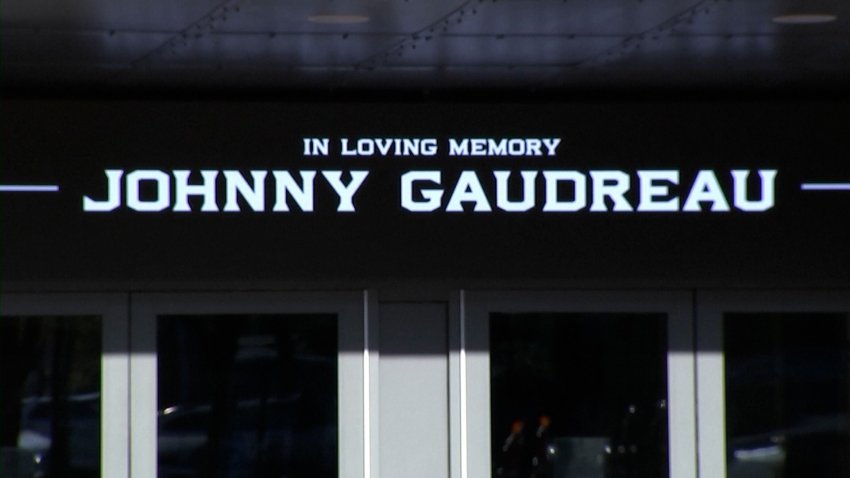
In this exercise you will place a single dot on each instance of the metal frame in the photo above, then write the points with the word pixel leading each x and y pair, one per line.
pixel 371 385
pixel 112 308
pixel 711 383
pixel 457 387
pixel 696 384
pixel 475 308
pixel 355 363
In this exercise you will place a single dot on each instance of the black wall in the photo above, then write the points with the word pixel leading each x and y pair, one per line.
pixel 804 241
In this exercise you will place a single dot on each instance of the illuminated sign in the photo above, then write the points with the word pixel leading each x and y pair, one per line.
pixel 425 191
pixel 554 190
pixel 633 194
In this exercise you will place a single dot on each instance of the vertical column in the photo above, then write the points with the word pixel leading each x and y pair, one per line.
pixel 143 396
pixel 413 390
pixel 711 398
pixel 115 390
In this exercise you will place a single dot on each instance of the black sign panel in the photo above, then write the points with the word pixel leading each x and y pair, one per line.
pixel 593 194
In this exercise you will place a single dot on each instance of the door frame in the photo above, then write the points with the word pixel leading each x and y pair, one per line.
pixel 114 361
pixel 476 307
pixel 352 376
pixel 710 361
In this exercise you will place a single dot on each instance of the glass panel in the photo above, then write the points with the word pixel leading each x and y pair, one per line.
pixel 50 397
pixel 247 396
pixel 787 400
pixel 578 395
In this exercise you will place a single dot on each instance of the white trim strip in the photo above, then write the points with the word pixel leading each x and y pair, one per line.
pixel 28 188
pixel 144 427
pixel 367 416
pixel 115 394
pixel 825 186
pixel 464 472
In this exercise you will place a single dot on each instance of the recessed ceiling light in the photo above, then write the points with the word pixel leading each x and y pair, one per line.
pixel 338 19
pixel 805 18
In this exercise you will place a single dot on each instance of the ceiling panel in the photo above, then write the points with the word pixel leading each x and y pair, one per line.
pixel 721 53
pixel 419 43
pixel 78 47
pixel 395 17
pixel 103 15
pixel 504 51
pixel 753 17
pixel 577 17
pixel 258 51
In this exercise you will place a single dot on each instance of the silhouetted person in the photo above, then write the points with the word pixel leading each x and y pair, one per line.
pixel 542 460
pixel 515 459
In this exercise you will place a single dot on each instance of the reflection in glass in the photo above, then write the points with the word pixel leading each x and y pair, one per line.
pixel 787 395
pixel 247 396
pixel 578 395
pixel 50 397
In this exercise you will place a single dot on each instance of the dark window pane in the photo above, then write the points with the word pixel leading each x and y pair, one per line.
pixel 247 396
pixel 578 395
pixel 50 397
pixel 787 400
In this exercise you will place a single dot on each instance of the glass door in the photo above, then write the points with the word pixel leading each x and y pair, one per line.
pixel 774 384
pixel 567 385
pixel 63 386
pixel 248 385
